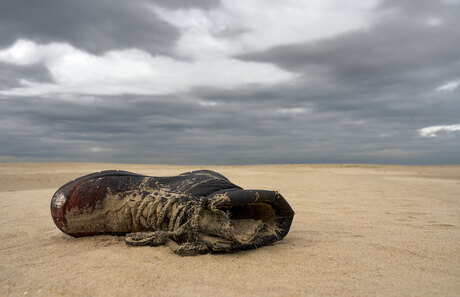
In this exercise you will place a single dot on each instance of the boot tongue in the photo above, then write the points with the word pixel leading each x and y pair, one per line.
pixel 218 224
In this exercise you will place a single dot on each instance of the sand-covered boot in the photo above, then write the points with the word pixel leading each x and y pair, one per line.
pixel 195 212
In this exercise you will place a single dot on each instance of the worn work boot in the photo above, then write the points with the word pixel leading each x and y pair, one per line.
pixel 194 213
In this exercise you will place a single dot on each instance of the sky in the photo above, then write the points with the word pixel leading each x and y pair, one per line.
pixel 230 82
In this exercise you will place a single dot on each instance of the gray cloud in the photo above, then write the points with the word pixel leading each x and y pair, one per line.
pixel 386 76
pixel 361 97
pixel 398 48
pixel 180 130
pixel 177 4
pixel 10 75
pixel 96 26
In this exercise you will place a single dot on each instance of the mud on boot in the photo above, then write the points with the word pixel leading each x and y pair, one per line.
pixel 194 213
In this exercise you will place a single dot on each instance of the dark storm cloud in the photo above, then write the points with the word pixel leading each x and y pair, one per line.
pixel 383 79
pixel 96 26
pixel 180 130
pixel 389 71
pixel 129 128
pixel 397 50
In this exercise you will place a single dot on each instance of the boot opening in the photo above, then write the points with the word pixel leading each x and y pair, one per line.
pixel 251 221
pixel 255 211
pixel 240 224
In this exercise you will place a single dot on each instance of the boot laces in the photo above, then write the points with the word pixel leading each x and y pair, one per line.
pixel 169 216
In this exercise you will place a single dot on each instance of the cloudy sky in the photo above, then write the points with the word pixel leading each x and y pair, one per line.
pixel 230 82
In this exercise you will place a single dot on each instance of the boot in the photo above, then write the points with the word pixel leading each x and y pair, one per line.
pixel 194 213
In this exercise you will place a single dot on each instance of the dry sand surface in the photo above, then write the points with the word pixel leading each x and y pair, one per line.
pixel 358 231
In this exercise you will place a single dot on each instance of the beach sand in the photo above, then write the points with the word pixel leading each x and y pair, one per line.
pixel 359 230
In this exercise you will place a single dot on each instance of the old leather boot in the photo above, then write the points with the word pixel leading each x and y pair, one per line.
pixel 195 212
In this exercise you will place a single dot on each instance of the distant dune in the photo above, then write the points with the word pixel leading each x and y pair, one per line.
pixel 359 230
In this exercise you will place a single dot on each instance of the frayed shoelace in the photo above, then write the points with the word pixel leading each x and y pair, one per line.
pixel 155 212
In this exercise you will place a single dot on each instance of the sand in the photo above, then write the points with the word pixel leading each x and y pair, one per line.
pixel 358 231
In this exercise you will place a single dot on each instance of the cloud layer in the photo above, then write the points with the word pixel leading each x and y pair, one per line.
pixel 224 83
pixel 130 71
